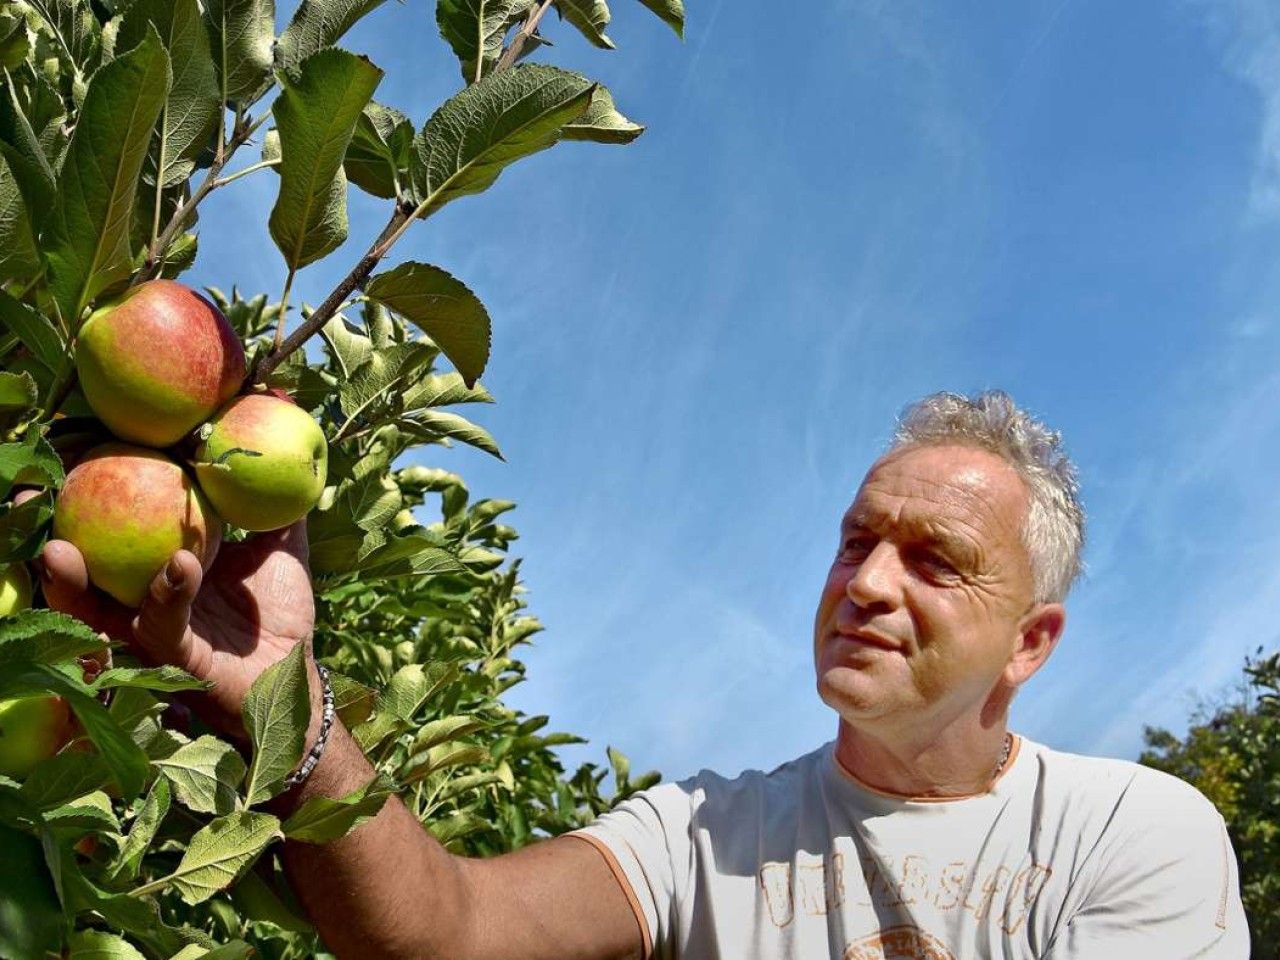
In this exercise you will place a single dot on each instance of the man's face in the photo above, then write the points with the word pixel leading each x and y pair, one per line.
pixel 923 608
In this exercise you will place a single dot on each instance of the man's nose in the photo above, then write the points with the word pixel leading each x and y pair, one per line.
pixel 877 579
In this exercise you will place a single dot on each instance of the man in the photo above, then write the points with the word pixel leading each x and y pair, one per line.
pixel 925 830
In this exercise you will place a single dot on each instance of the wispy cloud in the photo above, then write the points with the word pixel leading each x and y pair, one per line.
pixel 1248 32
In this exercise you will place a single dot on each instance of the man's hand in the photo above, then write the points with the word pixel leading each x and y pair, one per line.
pixel 227 625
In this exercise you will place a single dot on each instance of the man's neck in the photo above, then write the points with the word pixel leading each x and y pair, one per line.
pixel 952 765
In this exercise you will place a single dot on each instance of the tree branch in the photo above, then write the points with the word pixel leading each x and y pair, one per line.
pixel 360 273
pixel 512 53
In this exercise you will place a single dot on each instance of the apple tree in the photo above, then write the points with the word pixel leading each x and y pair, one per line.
pixel 146 834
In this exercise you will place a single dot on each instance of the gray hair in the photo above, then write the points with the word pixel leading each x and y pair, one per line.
pixel 1054 528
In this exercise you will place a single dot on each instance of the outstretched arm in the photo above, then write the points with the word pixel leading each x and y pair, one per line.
pixel 388 889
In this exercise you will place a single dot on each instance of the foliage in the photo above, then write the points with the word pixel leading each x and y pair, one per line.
pixel 1231 753
pixel 148 835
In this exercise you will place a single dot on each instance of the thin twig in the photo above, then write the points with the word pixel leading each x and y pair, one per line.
pixel 512 53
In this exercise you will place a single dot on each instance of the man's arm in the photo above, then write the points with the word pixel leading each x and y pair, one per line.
pixel 390 890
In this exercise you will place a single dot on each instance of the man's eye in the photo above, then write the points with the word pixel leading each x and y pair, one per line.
pixel 856 548
pixel 936 563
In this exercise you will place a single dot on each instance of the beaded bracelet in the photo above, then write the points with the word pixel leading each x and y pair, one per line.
pixel 313 755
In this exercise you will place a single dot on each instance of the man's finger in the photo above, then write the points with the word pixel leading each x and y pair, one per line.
pixel 160 628
pixel 64 580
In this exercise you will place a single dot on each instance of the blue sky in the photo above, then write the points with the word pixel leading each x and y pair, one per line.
pixel 701 340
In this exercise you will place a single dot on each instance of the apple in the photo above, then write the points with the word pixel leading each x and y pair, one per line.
pixel 262 462
pixel 128 509
pixel 15 589
pixel 157 362
pixel 32 729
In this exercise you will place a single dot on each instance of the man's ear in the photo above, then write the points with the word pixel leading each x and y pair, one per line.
pixel 1038 634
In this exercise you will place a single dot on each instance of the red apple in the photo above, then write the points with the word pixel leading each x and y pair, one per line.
pixel 158 362
pixel 128 509
pixel 32 729
pixel 262 462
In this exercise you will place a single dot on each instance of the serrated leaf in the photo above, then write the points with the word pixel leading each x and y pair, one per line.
pixel 591 17
pixel 493 123
pixel 443 308
pixel 671 13
pixel 206 775
pixel 22 145
pixel 96 945
pixel 476 30
pixel 602 123
pixel 194 101
pixel 457 826
pixel 35 333
pixel 346 345
pixel 322 819
pixel 435 426
pixel 276 713
pixel 166 679
pixel 316 115
pixel 318 24
pixel 221 851
pixel 17 392
pixel 241 34
pixel 446 730
pixel 352 701
pixel 142 832
pixel 45 636
pixel 88 242
pixel 377 159
pixel 19 256
pixel 64 777
pixel 382 377
pixel 89 812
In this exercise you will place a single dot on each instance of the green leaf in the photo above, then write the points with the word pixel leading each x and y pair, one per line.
pixel 352 701
pixel 31 921
pixel 23 146
pixel 670 11
pixel 276 714
pixel 15 44
pixel 446 730
pixel 590 17
pixel 443 308
pixel 318 24
pixel 348 347
pixel 88 244
pixel 241 34
pixel 35 333
pixel 17 392
pixel 194 102
pixel 205 774
pixel 19 256
pixel 88 813
pixel 221 851
pixel 96 945
pixel 316 116
pixel 602 123
pixel 44 636
pixel 64 777
pixel 506 116
pixel 322 819
pixel 382 378
pixel 166 679
pixel 435 426
pixel 143 831
pixel 377 159
pixel 476 30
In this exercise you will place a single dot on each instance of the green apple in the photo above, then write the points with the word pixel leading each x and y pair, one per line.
pixel 262 462
pixel 15 589
pixel 31 729
pixel 157 362
pixel 129 509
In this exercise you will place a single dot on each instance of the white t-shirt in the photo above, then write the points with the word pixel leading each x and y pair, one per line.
pixel 1066 858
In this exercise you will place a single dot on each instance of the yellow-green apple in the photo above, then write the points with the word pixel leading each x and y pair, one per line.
pixel 32 729
pixel 262 462
pixel 15 589
pixel 129 509
pixel 157 362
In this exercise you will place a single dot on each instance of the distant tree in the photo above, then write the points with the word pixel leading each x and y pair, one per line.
pixel 1232 754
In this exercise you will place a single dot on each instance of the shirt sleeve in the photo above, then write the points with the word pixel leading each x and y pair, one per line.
pixel 643 838
pixel 1162 882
